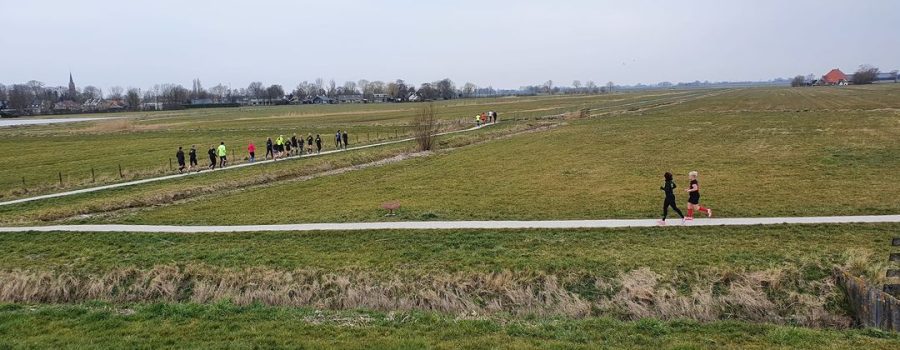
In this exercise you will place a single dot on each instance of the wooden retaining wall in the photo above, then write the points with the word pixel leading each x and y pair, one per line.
pixel 871 306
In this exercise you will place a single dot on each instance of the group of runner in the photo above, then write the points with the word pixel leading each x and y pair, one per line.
pixel 693 192
pixel 485 117
pixel 277 149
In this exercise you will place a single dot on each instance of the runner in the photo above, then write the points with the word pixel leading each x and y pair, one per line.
pixel 212 157
pixel 298 147
pixel 337 140
pixel 279 146
pixel 309 142
pixel 193 155
pixel 477 120
pixel 270 149
pixel 694 198
pixel 223 155
pixel 251 148
pixel 318 144
pixel 287 149
pixel 669 188
pixel 346 139
pixel 180 156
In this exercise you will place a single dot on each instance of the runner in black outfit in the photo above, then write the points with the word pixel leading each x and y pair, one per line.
pixel 346 139
pixel 212 157
pixel 270 150
pixel 669 188
pixel 180 156
pixel 298 147
pixel 318 144
pixel 694 198
pixel 309 142
pixel 193 155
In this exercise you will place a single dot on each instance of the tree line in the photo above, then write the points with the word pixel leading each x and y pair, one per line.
pixel 35 95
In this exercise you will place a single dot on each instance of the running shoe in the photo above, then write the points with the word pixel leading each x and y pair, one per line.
pixel 709 213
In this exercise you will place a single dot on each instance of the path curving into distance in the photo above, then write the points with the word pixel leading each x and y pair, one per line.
pixel 238 166
pixel 449 225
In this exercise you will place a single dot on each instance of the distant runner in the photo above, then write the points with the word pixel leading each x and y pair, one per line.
pixel 337 140
pixel 251 148
pixel 318 144
pixel 669 189
pixel 298 145
pixel 309 142
pixel 270 149
pixel 346 139
pixel 212 157
pixel 193 156
pixel 694 198
pixel 180 156
pixel 223 155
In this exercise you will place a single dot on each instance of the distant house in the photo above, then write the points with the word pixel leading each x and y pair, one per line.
pixel 886 77
pixel 413 97
pixel 835 77
pixel 322 100
pixel 152 106
pixel 202 101
pixel 380 98
pixel 355 98
pixel 66 107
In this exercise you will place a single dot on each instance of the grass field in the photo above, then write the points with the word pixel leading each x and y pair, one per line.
pixel 760 152
pixel 143 143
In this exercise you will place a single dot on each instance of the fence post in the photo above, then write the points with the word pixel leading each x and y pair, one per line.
pixel 93 177
pixel 24 187
pixel 395 134
pixel 170 164
pixel 120 172
pixel 60 178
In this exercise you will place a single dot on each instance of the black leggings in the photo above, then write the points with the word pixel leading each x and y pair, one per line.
pixel 670 202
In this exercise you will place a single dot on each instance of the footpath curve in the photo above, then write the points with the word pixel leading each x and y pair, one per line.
pixel 446 225
pixel 238 166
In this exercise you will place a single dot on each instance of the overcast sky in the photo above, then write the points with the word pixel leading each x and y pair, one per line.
pixel 505 44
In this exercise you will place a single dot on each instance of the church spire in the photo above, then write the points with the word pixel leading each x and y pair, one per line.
pixel 72 91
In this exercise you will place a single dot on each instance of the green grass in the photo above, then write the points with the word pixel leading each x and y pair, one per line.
pixel 774 163
pixel 142 143
pixel 102 326
pixel 668 251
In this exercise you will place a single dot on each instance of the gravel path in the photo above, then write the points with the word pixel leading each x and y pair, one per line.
pixel 443 225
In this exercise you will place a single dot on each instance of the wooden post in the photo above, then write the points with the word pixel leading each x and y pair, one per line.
pixel 24 187
pixel 93 177
pixel 170 164
pixel 60 178
pixel 120 172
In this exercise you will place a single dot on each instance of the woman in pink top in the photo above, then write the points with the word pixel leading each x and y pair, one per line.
pixel 252 149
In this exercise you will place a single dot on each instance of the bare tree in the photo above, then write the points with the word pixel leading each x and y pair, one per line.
pixel 274 92
pixel 91 92
pixel 364 88
pixel 20 97
pixel 133 98
pixel 610 86
pixel 798 81
pixel 548 87
pixel 469 89
pixel 445 88
pixel 3 95
pixel 577 85
pixel 425 128
pixel 349 88
pixel 115 92
pixel 218 92
pixel 256 90
pixel 866 74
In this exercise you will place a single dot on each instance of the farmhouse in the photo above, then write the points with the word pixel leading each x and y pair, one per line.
pixel 380 98
pixel 322 100
pixel 835 77
pixel 355 98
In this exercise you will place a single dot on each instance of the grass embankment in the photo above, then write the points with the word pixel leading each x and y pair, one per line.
pixel 778 274
pixel 223 325
pixel 142 143
pixel 763 163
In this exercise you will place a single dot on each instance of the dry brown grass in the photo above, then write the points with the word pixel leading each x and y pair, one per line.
pixel 748 296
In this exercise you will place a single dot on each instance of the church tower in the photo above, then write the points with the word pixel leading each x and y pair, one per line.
pixel 72 92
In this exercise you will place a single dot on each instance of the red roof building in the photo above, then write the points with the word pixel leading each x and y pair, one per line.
pixel 835 77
